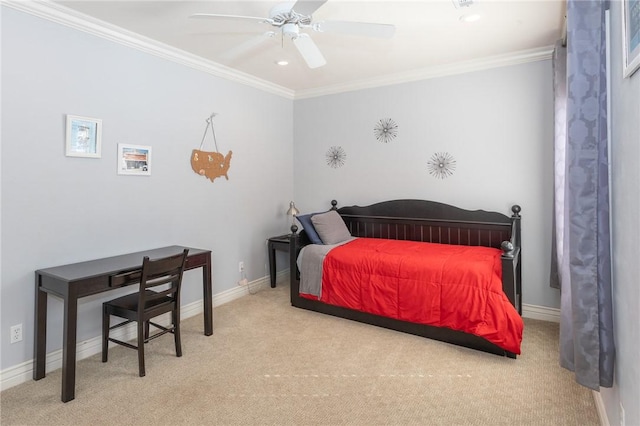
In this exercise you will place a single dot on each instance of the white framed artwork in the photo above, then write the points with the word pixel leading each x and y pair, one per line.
pixel 83 137
pixel 134 160
pixel 630 36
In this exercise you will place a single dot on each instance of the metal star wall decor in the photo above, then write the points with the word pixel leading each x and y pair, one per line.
pixel 385 130
pixel 441 165
pixel 336 157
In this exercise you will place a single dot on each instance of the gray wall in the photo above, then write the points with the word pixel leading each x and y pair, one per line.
pixel 497 124
pixel 58 209
pixel 625 218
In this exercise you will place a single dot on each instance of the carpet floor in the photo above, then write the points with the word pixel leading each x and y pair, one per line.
pixel 268 363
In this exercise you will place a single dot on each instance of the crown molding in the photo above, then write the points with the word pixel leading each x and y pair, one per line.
pixel 515 58
pixel 62 15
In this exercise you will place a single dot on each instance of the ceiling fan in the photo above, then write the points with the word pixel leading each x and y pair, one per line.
pixel 292 17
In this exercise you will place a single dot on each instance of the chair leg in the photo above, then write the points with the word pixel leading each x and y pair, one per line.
pixel 146 330
pixel 141 348
pixel 176 331
pixel 105 333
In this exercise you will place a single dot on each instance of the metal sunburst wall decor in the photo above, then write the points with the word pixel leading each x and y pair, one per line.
pixel 441 165
pixel 385 130
pixel 336 157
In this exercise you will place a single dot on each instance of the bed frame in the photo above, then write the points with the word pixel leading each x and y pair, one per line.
pixel 425 221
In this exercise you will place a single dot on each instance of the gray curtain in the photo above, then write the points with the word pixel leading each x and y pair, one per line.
pixel 560 146
pixel 582 218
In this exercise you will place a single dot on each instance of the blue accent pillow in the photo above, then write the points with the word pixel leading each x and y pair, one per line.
pixel 305 221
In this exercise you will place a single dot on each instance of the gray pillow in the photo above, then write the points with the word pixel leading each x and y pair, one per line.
pixel 330 227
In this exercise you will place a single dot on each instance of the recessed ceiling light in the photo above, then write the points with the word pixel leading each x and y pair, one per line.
pixel 472 17
pixel 282 63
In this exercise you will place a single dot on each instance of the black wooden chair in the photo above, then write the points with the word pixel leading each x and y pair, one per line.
pixel 146 304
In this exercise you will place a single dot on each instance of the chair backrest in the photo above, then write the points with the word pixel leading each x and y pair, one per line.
pixel 164 271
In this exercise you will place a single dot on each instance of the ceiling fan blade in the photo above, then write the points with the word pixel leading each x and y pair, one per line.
pixel 246 46
pixel 309 51
pixel 307 7
pixel 367 29
pixel 217 15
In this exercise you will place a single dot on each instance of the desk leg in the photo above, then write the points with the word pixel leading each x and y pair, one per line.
pixel 207 292
pixel 69 346
pixel 40 333
pixel 272 264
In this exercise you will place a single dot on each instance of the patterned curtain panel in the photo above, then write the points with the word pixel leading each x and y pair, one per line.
pixel 560 165
pixel 586 324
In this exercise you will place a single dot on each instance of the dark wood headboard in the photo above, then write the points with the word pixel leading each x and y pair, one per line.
pixel 429 221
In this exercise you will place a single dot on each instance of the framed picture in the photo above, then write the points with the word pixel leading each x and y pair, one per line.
pixel 134 160
pixel 84 137
pixel 630 36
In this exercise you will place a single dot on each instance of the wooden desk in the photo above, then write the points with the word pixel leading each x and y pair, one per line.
pixel 71 282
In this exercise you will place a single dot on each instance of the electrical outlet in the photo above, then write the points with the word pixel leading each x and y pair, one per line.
pixel 241 267
pixel 16 333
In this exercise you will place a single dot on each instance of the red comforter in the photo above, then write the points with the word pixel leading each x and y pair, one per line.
pixel 457 287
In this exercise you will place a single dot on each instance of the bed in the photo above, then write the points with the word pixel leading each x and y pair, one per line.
pixel 407 232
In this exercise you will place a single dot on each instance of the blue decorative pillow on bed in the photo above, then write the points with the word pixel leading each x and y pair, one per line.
pixel 305 221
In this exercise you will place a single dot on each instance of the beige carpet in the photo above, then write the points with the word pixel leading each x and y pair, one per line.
pixel 271 364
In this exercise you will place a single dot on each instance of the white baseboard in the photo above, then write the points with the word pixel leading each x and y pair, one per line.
pixel 541 313
pixel 23 372
pixel 600 408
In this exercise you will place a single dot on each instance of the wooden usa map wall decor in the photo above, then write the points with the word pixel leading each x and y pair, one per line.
pixel 210 164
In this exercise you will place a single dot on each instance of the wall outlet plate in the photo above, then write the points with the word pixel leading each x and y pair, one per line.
pixel 16 333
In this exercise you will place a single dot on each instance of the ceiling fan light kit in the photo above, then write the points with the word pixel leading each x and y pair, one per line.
pixel 462 3
pixel 291 17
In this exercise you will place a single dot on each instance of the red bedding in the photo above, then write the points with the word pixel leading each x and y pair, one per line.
pixel 458 287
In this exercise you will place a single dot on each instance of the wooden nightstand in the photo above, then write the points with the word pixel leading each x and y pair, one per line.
pixel 281 242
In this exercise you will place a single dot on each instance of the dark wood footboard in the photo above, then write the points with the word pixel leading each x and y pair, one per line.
pixel 426 221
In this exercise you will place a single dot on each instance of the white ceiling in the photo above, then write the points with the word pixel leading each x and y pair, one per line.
pixel 429 35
